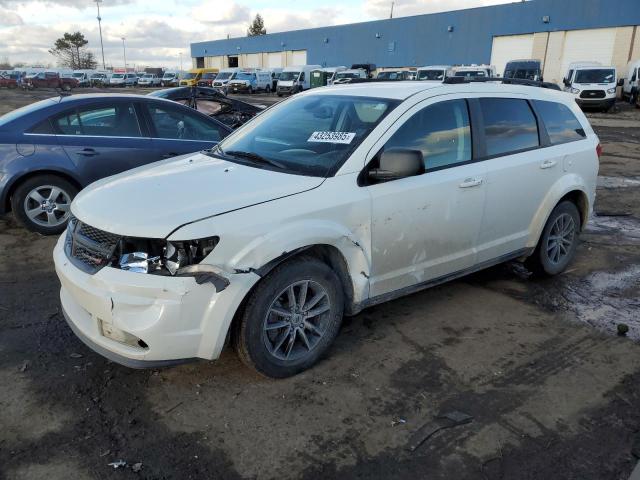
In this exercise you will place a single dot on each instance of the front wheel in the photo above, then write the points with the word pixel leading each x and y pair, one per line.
pixel 290 319
pixel 558 242
pixel 43 203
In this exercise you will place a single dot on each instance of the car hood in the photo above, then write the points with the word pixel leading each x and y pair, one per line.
pixel 154 200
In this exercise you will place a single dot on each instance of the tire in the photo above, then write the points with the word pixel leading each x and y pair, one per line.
pixel 267 89
pixel 548 260
pixel 279 94
pixel 24 200
pixel 270 351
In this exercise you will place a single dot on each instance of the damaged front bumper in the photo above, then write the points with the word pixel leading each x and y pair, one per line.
pixel 143 320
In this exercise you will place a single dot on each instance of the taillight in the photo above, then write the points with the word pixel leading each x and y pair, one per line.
pixel 599 150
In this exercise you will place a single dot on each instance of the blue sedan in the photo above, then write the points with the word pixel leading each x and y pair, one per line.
pixel 51 149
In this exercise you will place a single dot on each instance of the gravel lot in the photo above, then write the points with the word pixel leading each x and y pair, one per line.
pixel 552 390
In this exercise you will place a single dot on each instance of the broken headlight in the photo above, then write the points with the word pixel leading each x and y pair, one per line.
pixel 161 257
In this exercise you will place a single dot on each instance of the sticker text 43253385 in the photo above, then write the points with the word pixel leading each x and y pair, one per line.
pixel 332 137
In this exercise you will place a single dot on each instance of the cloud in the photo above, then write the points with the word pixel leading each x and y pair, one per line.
pixel 77 4
pixel 231 14
pixel 9 18
pixel 403 8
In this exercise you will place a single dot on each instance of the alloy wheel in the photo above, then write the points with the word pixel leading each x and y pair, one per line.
pixel 296 320
pixel 561 238
pixel 47 206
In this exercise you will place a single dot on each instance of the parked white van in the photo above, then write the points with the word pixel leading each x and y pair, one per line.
pixel 331 202
pixel 250 81
pixel 295 79
pixel 333 71
pixel 631 85
pixel 594 87
pixel 434 73
pixel 224 76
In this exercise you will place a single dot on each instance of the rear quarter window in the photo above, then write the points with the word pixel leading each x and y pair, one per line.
pixel 561 124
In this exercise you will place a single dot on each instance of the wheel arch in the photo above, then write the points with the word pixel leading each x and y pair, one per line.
pixel 35 173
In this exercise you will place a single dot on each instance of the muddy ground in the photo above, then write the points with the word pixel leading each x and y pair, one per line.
pixel 553 391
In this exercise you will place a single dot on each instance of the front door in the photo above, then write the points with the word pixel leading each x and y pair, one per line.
pixel 426 227
pixel 177 129
pixel 103 139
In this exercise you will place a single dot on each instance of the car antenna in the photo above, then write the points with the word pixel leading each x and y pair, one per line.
pixel 62 94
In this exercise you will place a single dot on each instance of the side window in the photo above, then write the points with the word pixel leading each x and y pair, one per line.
pixel 302 77
pixel 440 131
pixel 43 127
pixel 509 126
pixel 634 76
pixel 562 125
pixel 104 121
pixel 181 124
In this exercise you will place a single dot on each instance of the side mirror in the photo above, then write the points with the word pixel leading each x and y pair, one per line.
pixel 566 82
pixel 621 82
pixel 397 163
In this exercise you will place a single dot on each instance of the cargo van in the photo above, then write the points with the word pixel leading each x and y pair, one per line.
pixel 324 76
pixel 631 85
pixel 295 79
pixel 434 73
pixel 524 70
pixel 195 74
pixel 594 86
pixel 345 76
pixel 170 79
pixel 249 81
pixel 224 76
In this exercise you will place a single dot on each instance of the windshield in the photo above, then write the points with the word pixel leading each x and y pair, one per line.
pixel 117 75
pixel 169 75
pixel 190 76
pixel 389 75
pixel 347 75
pixel 78 75
pixel 600 75
pixel 147 76
pixel 471 73
pixel 245 76
pixel 523 73
pixel 224 75
pixel 311 135
pixel 209 76
pixel 286 76
pixel 434 75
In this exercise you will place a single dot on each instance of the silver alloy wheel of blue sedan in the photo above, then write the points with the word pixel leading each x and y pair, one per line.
pixel 48 205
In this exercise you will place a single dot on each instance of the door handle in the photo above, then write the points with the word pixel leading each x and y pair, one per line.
pixel 87 152
pixel 471 182
pixel 548 164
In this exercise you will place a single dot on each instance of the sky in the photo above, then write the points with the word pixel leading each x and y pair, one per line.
pixel 158 32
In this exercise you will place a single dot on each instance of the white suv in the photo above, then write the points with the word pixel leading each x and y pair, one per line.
pixel 327 203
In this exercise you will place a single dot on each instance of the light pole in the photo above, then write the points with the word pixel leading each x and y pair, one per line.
pixel 100 28
pixel 124 54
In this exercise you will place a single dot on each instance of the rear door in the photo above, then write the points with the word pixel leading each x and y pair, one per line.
pixel 176 129
pixel 520 172
pixel 103 138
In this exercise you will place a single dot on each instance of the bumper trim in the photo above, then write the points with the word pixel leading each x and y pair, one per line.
pixel 122 360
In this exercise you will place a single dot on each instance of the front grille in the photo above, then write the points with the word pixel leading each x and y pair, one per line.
pixel 593 94
pixel 89 248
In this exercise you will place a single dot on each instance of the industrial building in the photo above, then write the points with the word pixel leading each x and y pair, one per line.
pixel 557 32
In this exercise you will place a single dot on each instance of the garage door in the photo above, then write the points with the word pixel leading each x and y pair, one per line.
pixel 274 60
pixel 299 57
pixel 513 47
pixel 253 60
pixel 588 45
pixel 213 62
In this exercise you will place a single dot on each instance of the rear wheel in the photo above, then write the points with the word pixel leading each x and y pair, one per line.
pixel 558 242
pixel 43 203
pixel 291 318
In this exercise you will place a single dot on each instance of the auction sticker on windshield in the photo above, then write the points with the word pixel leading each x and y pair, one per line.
pixel 332 137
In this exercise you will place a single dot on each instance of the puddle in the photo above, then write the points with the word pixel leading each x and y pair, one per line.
pixel 618 182
pixel 604 300
pixel 622 229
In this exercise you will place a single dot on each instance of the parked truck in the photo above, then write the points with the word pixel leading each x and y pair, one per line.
pixel 50 80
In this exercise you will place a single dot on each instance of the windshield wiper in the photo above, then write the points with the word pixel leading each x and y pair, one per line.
pixel 252 156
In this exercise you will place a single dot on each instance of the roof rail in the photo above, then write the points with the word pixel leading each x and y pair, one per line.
pixel 506 81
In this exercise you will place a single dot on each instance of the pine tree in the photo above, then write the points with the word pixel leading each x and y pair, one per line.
pixel 257 27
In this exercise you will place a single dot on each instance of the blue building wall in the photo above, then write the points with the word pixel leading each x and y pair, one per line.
pixel 425 39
